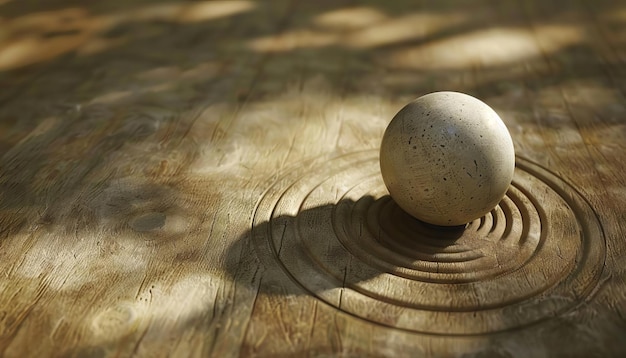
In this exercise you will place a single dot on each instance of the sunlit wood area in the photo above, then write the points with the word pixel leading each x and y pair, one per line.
pixel 201 179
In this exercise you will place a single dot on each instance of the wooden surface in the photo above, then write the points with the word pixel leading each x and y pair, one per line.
pixel 200 179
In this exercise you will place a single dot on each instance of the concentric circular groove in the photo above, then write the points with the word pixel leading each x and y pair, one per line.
pixel 334 230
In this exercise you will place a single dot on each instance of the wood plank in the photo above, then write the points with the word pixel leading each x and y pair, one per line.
pixel 200 179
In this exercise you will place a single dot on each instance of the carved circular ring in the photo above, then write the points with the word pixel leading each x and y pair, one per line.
pixel 332 227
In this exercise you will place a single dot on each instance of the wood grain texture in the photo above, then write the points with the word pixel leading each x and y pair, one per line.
pixel 200 179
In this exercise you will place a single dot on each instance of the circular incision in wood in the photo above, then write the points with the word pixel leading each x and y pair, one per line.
pixel 331 225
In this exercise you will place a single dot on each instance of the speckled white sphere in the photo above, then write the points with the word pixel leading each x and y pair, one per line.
pixel 447 158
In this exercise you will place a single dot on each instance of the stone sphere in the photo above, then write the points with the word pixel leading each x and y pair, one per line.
pixel 447 158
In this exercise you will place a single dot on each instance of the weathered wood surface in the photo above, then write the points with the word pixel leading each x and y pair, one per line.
pixel 141 140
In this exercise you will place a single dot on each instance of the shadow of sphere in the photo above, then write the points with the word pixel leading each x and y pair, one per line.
pixel 335 246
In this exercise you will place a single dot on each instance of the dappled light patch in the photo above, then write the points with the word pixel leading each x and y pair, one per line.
pixel 484 48
pixel 412 27
pixel 43 36
pixel 350 18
